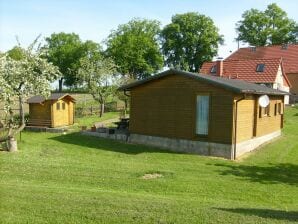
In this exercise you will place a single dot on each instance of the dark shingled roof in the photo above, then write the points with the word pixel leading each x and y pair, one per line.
pixel 234 85
pixel 53 96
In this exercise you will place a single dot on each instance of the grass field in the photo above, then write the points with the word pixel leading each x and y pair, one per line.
pixel 90 120
pixel 80 179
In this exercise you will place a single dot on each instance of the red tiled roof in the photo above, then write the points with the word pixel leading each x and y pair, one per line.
pixel 246 70
pixel 289 54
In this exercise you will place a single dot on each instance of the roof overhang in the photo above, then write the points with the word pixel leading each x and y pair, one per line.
pixel 53 97
pixel 233 85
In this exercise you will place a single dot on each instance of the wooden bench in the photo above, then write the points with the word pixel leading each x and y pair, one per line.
pixel 39 122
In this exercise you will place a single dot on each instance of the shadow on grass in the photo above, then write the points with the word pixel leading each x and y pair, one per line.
pixel 286 173
pixel 265 213
pixel 106 144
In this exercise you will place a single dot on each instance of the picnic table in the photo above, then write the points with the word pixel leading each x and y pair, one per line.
pixel 123 123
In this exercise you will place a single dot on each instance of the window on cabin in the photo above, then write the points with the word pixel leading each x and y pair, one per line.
pixel 264 111
pixel 284 47
pixel 260 67
pixel 202 115
pixel 279 108
pixel 63 106
pixel 213 69
pixel 57 106
pixel 267 110
pixel 275 109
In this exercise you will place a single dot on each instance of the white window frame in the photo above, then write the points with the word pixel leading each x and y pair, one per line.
pixel 202 114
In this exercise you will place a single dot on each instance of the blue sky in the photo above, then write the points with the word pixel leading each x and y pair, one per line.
pixel 95 19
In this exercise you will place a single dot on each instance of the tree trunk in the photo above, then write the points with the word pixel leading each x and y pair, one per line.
pixel 60 85
pixel 12 145
pixel 22 112
pixel 102 109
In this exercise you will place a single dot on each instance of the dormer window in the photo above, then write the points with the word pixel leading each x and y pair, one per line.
pixel 284 47
pixel 253 49
pixel 260 67
pixel 213 69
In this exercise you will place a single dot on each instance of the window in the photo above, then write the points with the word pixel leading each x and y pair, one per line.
pixel 284 47
pixel 213 69
pixel 264 111
pixel 57 106
pixel 279 108
pixel 275 109
pixel 202 115
pixel 260 67
pixel 253 49
pixel 63 106
pixel 267 110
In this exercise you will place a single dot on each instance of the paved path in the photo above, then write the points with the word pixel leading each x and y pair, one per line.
pixel 105 122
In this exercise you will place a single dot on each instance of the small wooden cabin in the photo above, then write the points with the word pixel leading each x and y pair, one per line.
pixel 56 111
pixel 202 114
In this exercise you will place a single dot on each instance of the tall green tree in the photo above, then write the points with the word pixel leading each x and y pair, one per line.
pixel 269 27
pixel 65 51
pixel 135 49
pixel 189 40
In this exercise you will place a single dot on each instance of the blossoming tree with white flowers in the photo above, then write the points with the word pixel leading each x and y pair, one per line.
pixel 31 74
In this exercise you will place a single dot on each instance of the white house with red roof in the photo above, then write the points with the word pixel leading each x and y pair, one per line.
pixel 274 66
pixel 268 72
pixel 288 53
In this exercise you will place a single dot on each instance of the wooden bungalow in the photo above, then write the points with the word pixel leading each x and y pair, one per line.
pixel 56 111
pixel 202 114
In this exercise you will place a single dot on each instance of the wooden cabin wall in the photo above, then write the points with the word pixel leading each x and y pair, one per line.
pixel 249 122
pixel 70 113
pixel 271 123
pixel 245 118
pixel 60 116
pixel 40 114
pixel 166 107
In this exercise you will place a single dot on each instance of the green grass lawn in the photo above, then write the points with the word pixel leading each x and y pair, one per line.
pixel 80 179
pixel 90 120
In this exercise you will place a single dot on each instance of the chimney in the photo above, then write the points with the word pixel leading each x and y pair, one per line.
pixel 219 67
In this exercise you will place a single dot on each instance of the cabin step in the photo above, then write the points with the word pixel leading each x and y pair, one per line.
pixel 39 122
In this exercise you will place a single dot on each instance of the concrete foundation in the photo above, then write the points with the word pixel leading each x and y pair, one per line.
pixel 251 144
pixel 182 145
pixel 46 129
pixel 188 146
pixel 116 136
pixel 204 148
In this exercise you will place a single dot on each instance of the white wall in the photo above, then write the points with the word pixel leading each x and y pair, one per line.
pixel 280 85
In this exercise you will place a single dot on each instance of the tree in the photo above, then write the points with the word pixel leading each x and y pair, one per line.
pixel 122 95
pixel 19 78
pixel 91 51
pixel 65 51
pixel 189 40
pixel 134 48
pixel 269 27
pixel 98 76
pixel 16 53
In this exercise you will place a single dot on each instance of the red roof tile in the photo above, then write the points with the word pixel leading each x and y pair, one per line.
pixel 289 54
pixel 246 70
